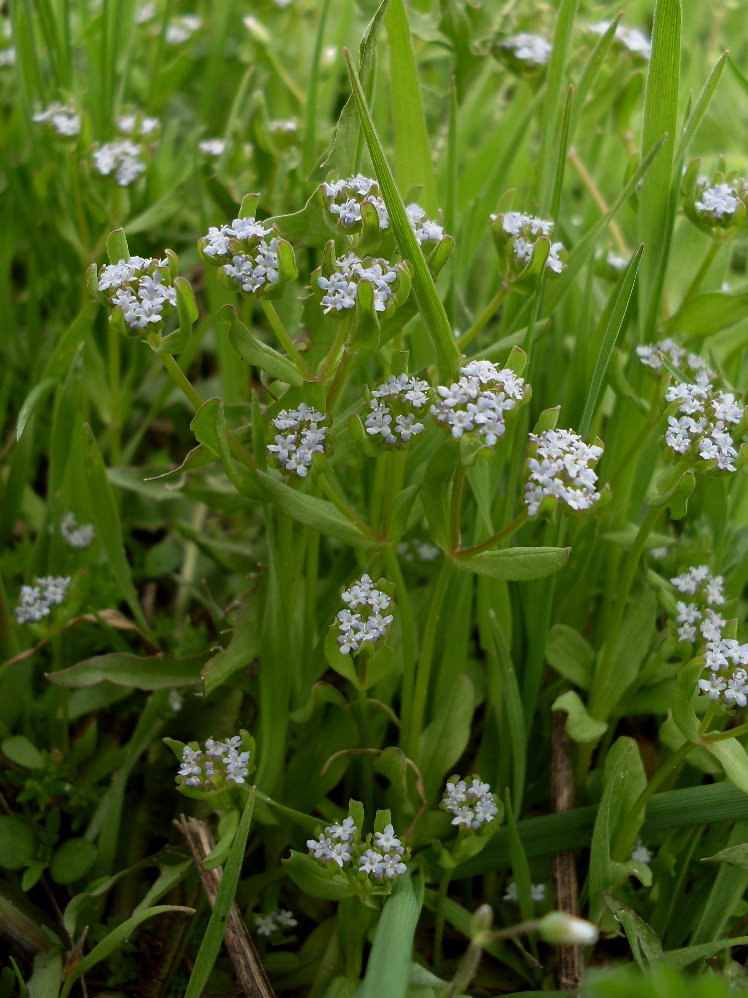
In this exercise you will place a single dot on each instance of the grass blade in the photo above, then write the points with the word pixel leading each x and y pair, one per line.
pixel 388 969
pixel 555 100
pixel 429 302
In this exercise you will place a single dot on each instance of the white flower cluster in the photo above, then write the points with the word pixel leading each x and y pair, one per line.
pixel 61 118
pixel 640 853
pixel 472 804
pixel 284 126
pixel 135 124
pixel 523 231
pixel 563 469
pixel 340 844
pixel 684 360
pixel 77 535
pixel 532 49
pixel 727 661
pixel 631 38
pixel 364 621
pixel 122 158
pixel 275 921
pixel 345 197
pixel 137 287
pixel 537 893
pixel 254 260
pixel 145 12
pixel 212 147
pixel 395 408
pixel 301 433
pixel 218 763
pixel 701 424
pixel 341 287
pixel 477 401
pixel 417 550
pixel 182 29
pixel 34 602
pixel 717 201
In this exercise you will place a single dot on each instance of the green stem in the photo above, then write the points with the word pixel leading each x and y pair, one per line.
pixel 339 380
pixel 115 395
pixel 345 509
pixel 507 531
pixel 336 346
pixel 285 340
pixel 483 318
pixel 408 641
pixel 181 380
pixel 457 489
pixel 426 657
pixel 625 838
pixel 439 923
pixel 701 273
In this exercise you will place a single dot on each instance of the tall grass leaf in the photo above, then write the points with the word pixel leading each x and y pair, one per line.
pixel 708 314
pixel 443 741
pixel 600 864
pixel 518 862
pixel 388 969
pixel 343 155
pixel 615 315
pixel 727 889
pixel 643 940
pixel 660 118
pixel 563 148
pixel 700 108
pixel 114 939
pixel 412 155
pixel 213 937
pixel 592 67
pixel 555 100
pixel 109 526
pixel 310 111
pixel 427 297
pixel 691 954
pixel 37 394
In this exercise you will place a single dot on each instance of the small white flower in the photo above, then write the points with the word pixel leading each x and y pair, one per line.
pixel 299 438
pixel 529 48
pixel 562 469
pixel 472 805
pixel 212 147
pixel 265 925
pixel 63 119
pixel 182 29
pixel 640 853
pixel 75 534
pixel 369 624
pixel 122 158
pixel 718 201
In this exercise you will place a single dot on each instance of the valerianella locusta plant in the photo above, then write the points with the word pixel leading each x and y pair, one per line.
pixel 516 236
pixel 121 158
pixel 526 54
pixel 561 471
pixel 139 292
pixel 704 425
pixel 62 119
pixel 397 408
pixel 477 404
pixel 630 39
pixel 217 767
pixel 339 283
pixel 717 204
pixel 365 620
pixel 35 602
pixel 695 615
pixel 650 354
pixel 377 860
pixel 301 434
pixel 471 804
pixel 247 259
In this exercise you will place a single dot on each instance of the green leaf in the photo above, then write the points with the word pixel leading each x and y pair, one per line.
pixel 17 843
pixel 733 855
pixel 413 160
pixel 510 700
pixel 600 865
pixel 733 759
pixel 241 651
pixel 682 706
pixel 37 394
pixel 156 672
pixel 555 101
pixel 656 202
pixel 109 527
pixel 427 297
pixel 515 564
pixel 643 940
pixel 436 492
pixel 259 354
pixel 635 636
pixel 213 937
pixel 22 752
pixel 580 727
pixel 690 954
pixel 388 967
pixel 443 741
pixel 570 655
pixel 707 314
pixel 72 860
pixel 314 879
pixel 700 107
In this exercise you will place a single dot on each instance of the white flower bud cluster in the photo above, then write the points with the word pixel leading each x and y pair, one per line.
pixel 690 363
pixel 563 469
pixel 640 853
pixel 395 407
pixel 630 38
pixel 345 197
pixel 727 662
pixel 341 287
pixel 77 535
pixel 701 424
pixel 122 158
pixel 523 232
pixel 364 621
pixel 34 602
pixel 274 921
pixel 706 591
pixel 138 287
pixel 212 147
pixel 537 893
pixel 61 118
pixel 340 843
pixel 532 49
pixel 472 804
pixel 285 126
pixel 301 434
pixel 717 201
pixel 135 124
pixel 253 260
pixel 477 402
pixel 181 29
pixel 217 764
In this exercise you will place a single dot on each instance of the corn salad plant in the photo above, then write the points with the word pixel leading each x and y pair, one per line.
pixel 374 521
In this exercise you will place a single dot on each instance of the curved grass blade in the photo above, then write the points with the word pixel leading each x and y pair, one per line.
pixel 427 298
pixel 555 99
pixel 388 969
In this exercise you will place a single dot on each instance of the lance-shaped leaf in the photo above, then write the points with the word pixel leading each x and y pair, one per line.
pixel 254 351
pixel 515 564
